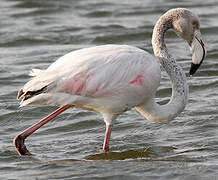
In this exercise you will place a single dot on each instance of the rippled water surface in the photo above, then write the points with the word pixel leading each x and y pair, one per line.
pixel 35 33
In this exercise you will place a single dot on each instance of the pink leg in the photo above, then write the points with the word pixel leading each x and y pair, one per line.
pixel 20 138
pixel 107 138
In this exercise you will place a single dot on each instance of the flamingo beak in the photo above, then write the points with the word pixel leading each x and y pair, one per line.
pixel 198 52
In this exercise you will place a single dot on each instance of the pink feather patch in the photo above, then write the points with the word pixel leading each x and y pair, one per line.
pixel 75 84
pixel 137 80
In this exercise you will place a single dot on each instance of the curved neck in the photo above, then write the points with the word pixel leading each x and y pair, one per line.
pixel 165 113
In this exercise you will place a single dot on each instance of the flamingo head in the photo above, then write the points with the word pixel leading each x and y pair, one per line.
pixel 187 26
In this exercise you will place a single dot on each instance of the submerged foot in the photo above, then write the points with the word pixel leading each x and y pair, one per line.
pixel 106 149
pixel 20 146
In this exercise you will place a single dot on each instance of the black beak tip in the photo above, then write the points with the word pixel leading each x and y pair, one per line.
pixel 194 68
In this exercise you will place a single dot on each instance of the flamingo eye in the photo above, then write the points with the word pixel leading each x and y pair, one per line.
pixel 195 24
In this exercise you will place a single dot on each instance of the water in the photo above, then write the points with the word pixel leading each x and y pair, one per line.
pixel 35 33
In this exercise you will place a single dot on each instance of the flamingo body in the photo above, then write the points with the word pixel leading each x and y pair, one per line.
pixel 109 79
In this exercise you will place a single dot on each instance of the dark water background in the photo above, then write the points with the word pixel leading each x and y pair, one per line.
pixel 35 33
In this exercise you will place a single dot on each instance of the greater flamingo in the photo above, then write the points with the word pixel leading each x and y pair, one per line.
pixel 112 79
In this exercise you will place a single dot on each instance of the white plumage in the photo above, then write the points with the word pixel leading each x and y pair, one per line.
pixel 107 79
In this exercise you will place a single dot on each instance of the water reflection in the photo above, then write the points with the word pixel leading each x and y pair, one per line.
pixel 141 153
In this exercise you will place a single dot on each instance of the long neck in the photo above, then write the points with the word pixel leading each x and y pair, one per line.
pixel 165 113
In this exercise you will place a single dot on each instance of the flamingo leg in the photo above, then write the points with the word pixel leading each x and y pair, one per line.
pixel 20 138
pixel 107 138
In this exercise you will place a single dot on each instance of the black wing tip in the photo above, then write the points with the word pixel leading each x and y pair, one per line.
pixel 29 94
pixel 20 93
